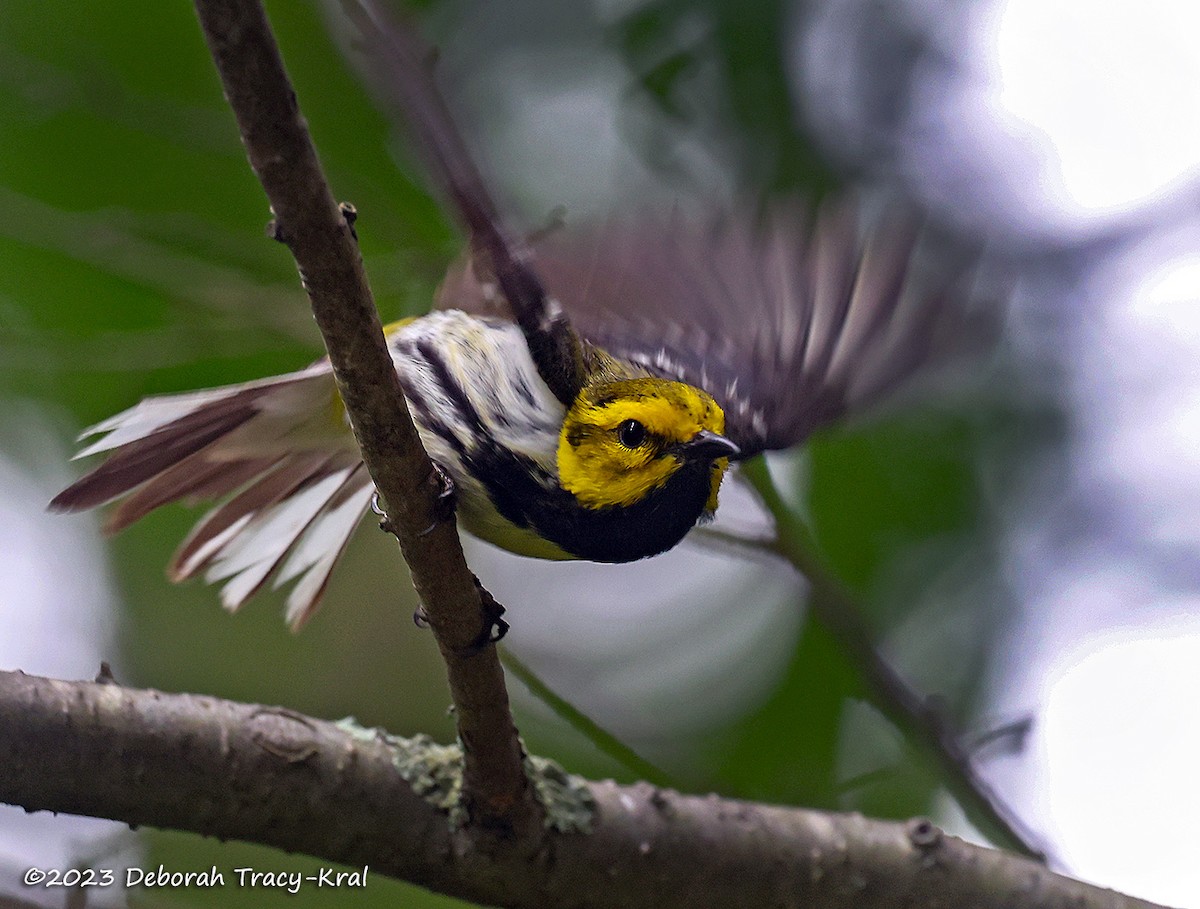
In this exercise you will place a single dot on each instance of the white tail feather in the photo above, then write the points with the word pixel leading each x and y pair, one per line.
pixel 276 452
pixel 249 557
pixel 315 556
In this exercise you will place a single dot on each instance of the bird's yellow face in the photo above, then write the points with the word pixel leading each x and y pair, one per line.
pixel 622 440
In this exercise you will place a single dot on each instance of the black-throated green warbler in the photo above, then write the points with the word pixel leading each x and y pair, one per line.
pixel 603 437
pixel 698 345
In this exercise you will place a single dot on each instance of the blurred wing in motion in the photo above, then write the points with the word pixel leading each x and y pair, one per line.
pixel 398 66
pixel 790 321
pixel 279 448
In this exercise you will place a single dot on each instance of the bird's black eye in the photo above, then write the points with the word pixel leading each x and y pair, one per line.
pixel 631 433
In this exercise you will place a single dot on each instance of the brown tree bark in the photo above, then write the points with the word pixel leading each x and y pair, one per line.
pixel 272 776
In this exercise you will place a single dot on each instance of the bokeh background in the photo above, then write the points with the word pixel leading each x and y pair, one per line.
pixel 1023 539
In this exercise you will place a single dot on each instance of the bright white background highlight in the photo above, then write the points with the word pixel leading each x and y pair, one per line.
pixel 1113 84
pixel 1119 755
pixel 1108 93
pixel 56 616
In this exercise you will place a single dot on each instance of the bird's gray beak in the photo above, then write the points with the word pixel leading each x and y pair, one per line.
pixel 708 446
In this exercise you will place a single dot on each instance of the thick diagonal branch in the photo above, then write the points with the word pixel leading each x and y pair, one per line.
pixel 272 776
pixel 309 220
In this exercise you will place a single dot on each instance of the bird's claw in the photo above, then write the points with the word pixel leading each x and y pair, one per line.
pixel 349 215
pixel 494 627
pixel 447 498
pixel 385 523
pixel 443 506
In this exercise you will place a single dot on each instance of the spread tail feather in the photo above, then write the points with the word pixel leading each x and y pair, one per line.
pixel 278 451
pixel 155 453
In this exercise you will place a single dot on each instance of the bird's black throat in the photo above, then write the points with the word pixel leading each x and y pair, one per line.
pixel 529 497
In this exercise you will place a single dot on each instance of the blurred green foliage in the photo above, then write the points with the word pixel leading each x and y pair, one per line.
pixel 133 261
pixel 667 40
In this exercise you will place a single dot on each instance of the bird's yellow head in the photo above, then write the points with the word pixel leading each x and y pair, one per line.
pixel 622 440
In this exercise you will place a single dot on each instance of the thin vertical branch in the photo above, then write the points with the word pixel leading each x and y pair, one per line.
pixel 309 221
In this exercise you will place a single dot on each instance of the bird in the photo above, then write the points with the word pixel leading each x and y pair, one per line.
pixel 584 394
pixel 759 334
